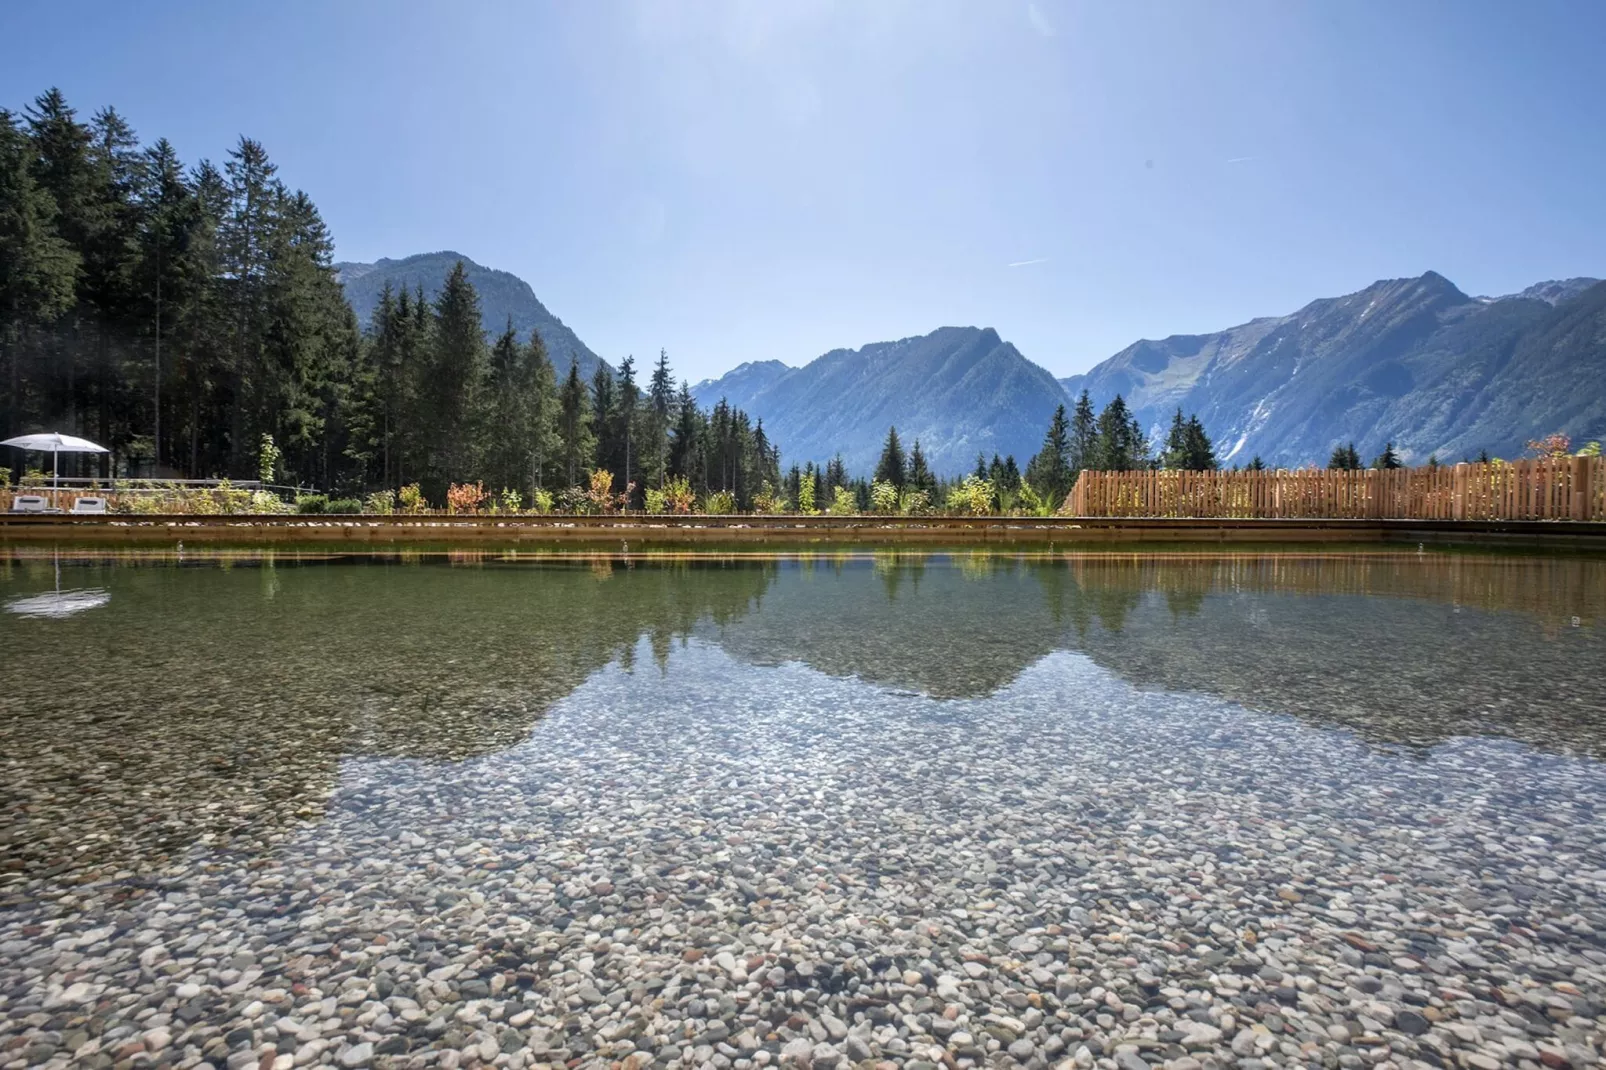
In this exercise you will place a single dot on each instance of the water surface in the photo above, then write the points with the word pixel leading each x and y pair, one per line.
pixel 712 810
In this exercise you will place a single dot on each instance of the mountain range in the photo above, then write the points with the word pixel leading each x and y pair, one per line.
pixel 958 391
pixel 1413 361
pixel 503 297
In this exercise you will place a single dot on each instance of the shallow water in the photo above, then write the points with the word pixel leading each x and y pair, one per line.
pixel 1333 807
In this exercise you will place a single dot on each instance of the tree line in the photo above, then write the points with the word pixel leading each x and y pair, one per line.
pixel 189 319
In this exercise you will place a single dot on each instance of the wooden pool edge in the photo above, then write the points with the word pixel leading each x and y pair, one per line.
pixel 612 532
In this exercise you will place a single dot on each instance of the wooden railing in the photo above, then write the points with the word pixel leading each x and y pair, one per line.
pixel 1552 488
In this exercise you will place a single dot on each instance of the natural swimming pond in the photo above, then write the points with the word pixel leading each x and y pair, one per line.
pixel 1337 810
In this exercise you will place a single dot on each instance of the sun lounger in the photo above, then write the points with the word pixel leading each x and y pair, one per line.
pixel 89 505
pixel 29 503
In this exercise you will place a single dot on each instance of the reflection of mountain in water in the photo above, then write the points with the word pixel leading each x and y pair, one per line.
pixel 215 705
pixel 1402 649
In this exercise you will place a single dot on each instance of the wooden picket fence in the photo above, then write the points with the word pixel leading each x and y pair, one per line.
pixel 1551 488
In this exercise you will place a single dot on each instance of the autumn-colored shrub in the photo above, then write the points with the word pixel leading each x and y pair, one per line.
pixel 465 497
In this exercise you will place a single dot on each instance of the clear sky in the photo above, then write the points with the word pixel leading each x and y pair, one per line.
pixel 750 179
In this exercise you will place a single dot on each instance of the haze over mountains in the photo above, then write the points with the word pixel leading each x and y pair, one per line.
pixel 1413 361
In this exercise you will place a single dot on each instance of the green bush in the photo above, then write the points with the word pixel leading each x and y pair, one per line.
pixel 656 502
pixel 344 505
pixel 541 501
pixel 382 502
pixel 312 504
pixel 719 502
pixel 843 503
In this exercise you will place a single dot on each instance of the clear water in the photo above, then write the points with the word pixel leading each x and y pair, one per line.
pixel 479 758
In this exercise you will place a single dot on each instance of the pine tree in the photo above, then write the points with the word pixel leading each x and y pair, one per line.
pixel 1388 458
pixel 1084 436
pixel 685 456
pixel 1198 453
pixel 660 404
pixel 626 416
pixel 920 474
pixel 1049 472
pixel 1257 465
pixel 892 467
pixel 574 426
pixel 1175 454
pixel 37 267
pixel 1345 458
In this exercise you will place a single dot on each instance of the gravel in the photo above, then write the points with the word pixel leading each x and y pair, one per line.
pixel 700 861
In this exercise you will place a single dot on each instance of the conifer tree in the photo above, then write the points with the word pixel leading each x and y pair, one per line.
pixel 920 474
pixel 892 467
pixel 574 426
pixel 1049 472
pixel 1084 436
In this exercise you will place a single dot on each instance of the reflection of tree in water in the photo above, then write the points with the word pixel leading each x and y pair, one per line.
pixel 894 568
pixel 214 705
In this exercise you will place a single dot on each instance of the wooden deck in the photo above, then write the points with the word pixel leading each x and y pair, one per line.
pixel 778 531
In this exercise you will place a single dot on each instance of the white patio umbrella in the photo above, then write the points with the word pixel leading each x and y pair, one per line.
pixel 54 443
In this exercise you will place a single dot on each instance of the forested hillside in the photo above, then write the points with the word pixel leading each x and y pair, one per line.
pixel 190 318
pixel 504 297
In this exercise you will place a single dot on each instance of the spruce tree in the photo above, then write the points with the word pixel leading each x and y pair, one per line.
pixel 1084 436
pixel 574 426
pixel 920 474
pixel 892 468
pixel 1049 472
pixel 1388 458
pixel 1198 452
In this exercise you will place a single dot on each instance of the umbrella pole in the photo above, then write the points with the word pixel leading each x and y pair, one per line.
pixel 55 478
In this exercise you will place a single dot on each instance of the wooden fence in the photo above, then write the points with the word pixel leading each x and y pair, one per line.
pixel 1552 488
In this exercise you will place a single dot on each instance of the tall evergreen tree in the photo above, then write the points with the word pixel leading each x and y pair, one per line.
pixel 892 467
pixel 1084 436
pixel 574 426
pixel 1049 472
pixel 920 474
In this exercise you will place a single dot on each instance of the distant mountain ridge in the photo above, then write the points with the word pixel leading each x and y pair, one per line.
pixel 502 295
pixel 959 391
pixel 1413 361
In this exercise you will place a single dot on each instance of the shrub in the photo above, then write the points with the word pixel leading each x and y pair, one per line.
pixel 574 500
pixel 843 502
pixel 1590 450
pixel 973 497
pixel 657 504
pixel 601 495
pixel 805 495
pixel 312 504
pixel 382 502
pixel 1552 445
pixel 883 497
pixel 512 500
pixel 720 502
pixel 678 495
pixel 344 505
pixel 769 500
pixel 465 497
pixel 411 498
pixel 541 500
pixel 914 503
pixel 265 501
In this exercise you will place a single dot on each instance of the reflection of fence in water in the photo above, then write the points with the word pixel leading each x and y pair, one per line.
pixel 1552 488
pixel 1555 589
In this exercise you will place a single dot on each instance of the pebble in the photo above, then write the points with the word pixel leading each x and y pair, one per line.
pixel 1113 853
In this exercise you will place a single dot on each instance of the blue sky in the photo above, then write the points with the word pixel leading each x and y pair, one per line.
pixel 749 180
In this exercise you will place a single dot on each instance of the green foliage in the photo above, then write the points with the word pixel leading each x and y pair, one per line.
pixel 510 500
pixel 312 504
pixel 411 499
pixel 971 497
pixel 1050 473
pixel 883 497
pixel 1591 449
pixel 380 502
pixel 768 500
pixel 657 504
pixel 843 502
pixel 892 469
pixel 1345 458
pixel 344 505
pixel 268 458
pixel 1388 458
pixel 540 500
pixel 913 502
pixel 1187 447
pixel 805 495
pixel 678 495
pixel 719 502
pixel 1030 503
